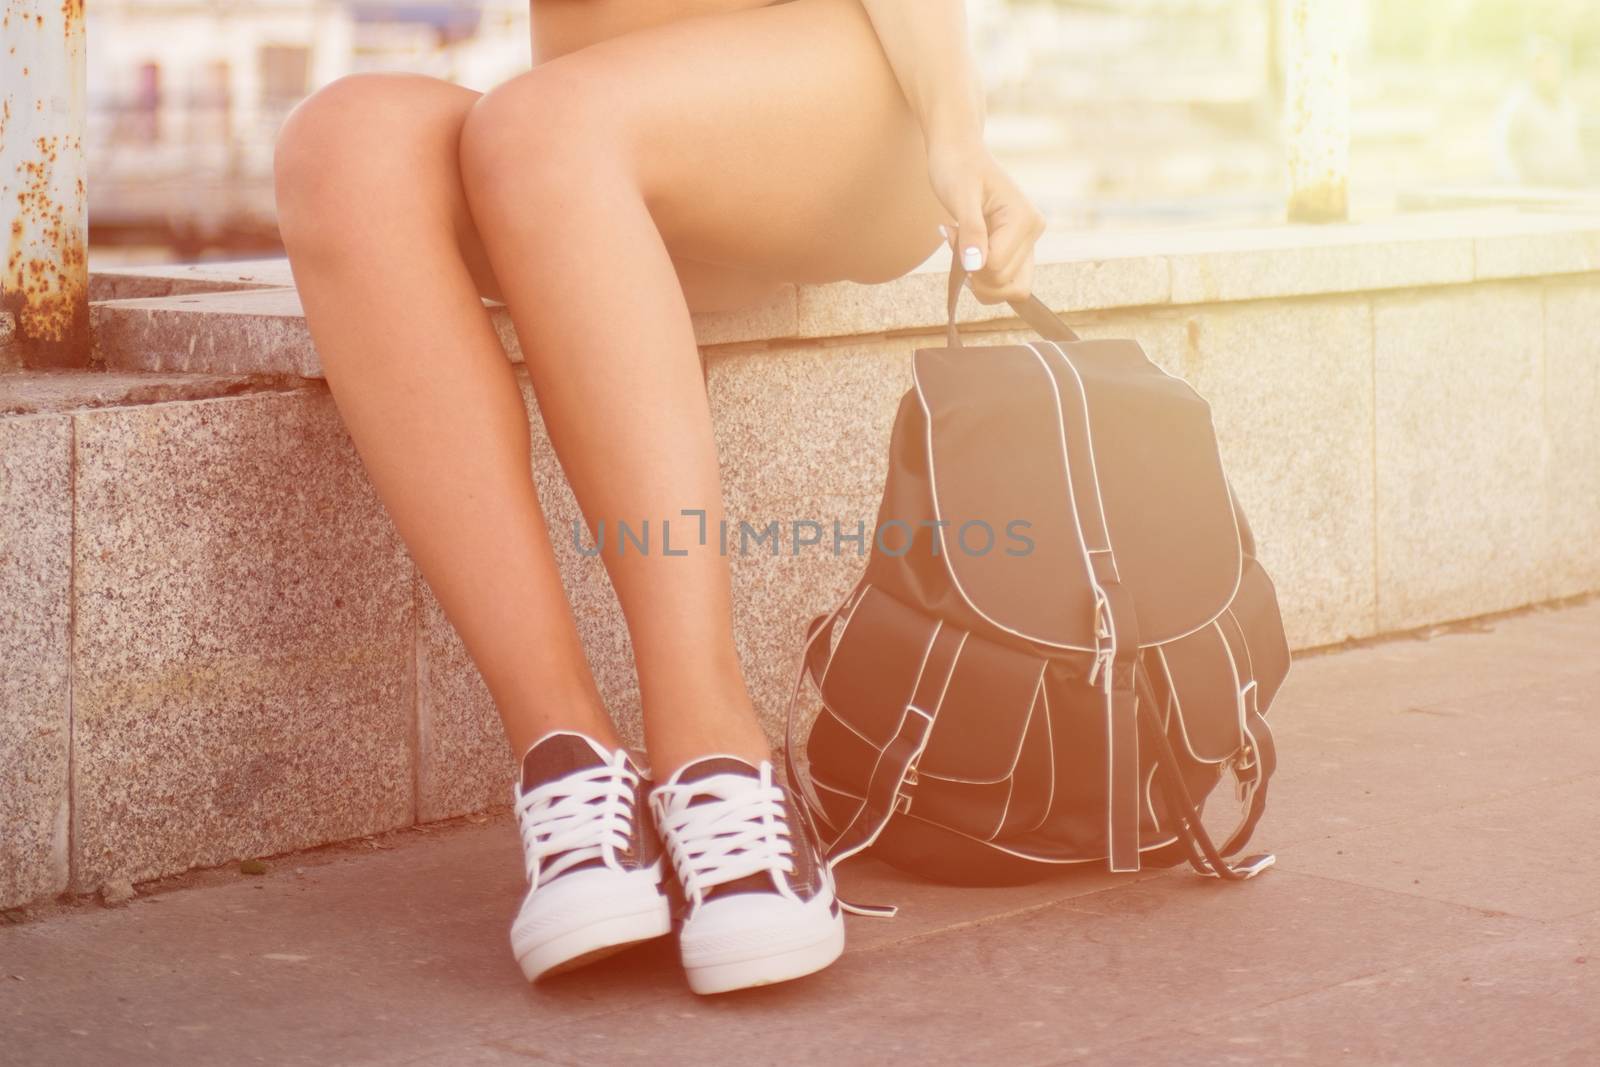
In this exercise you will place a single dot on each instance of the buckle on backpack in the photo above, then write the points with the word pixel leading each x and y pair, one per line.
pixel 902 796
pixel 1104 644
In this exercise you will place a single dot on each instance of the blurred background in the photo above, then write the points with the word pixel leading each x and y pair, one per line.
pixel 1113 113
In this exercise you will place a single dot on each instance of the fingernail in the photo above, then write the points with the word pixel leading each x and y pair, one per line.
pixel 972 259
pixel 944 233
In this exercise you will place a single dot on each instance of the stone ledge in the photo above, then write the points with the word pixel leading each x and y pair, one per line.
pixel 253 323
pixel 180 279
pixel 46 392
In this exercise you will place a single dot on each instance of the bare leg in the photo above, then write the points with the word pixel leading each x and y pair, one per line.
pixel 386 272
pixel 818 175
pixel 772 141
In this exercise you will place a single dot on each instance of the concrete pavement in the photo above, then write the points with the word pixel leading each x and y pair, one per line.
pixel 1437 900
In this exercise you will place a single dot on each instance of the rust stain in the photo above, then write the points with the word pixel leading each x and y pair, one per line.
pixel 45 280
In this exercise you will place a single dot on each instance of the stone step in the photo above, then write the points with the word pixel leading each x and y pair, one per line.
pixel 262 330
pixel 215 645
pixel 257 326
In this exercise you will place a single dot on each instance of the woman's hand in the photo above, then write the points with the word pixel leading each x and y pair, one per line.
pixel 992 225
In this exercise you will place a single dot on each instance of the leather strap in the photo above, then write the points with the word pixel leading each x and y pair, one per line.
pixel 1032 311
pixel 1119 664
pixel 893 780
pixel 1204 856
pixel 813 659
pixel 1253 779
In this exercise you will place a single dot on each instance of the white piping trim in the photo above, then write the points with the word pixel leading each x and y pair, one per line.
pixel 1238 691
pixel 1011 789
pixel 1094 470
pixel 1106 655
pixel 1238 573
pixel 842 721
pixel 1038 859
pixel 1050 752
pixel 1151 847
pixel 1244 639
pixel 1072 507
pixel 1149 798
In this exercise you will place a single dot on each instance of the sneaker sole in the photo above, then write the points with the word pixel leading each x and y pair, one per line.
pixel 595 941
pixel 783 966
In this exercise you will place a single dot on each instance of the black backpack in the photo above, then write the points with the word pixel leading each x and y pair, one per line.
pixel 1062 638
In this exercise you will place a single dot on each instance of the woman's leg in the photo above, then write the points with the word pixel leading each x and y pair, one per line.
pixel 772 142
pixel 371 210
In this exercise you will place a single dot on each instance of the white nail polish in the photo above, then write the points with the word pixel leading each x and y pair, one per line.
pixel 944 233
pixel 972 259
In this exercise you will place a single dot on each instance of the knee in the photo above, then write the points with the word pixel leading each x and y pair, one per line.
pixel 339 151
pixel 540 138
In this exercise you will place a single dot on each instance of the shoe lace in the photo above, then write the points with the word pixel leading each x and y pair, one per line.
pixel 723 828
pixel 584 816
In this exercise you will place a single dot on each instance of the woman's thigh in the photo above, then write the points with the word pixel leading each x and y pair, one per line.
pixel 771 143
pixel 369 149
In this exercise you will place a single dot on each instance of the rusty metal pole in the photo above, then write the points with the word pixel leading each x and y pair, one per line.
pixel 44 289
pixel 1316 35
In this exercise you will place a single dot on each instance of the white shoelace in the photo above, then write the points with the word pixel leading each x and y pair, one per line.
pixel 723 828
pixel 586 815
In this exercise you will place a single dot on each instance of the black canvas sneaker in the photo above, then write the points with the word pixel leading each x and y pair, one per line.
pixel 759 899
pixel 593 858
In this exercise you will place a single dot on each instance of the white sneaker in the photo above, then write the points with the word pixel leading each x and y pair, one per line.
pixel 759 899
pixel 593 859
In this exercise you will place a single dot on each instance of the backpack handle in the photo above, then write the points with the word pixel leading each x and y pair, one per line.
pixel 1032 311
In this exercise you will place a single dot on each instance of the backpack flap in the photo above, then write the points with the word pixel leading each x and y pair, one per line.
pixel 997 466
pixel 1075 441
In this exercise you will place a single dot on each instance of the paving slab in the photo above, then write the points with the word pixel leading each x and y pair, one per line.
pixel 1447 925
pixel 1535 853
pixel 1404 761
pixel 1525 999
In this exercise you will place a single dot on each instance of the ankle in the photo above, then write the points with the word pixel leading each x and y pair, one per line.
pixel 736 733
pixel 529 722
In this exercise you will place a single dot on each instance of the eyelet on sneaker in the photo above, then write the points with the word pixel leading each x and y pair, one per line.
pixel 592 857
pixel 760 905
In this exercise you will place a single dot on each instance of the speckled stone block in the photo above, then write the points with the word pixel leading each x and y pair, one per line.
pixel 35 584
pixel 1531 246
pixel 245 331
pixel 1290 388
pixel 463 761
pixel 243 638
pixel 1302 261
pixel 1461 453
pixel 781 583
pixel 1572 411
pixel 805 421
pixel 803 435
